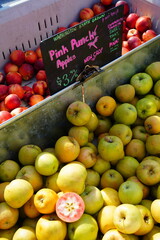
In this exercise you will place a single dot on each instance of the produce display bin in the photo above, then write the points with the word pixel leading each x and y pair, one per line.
pixel 24 28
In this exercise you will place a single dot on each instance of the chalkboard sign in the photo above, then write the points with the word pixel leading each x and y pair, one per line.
pixel 96 41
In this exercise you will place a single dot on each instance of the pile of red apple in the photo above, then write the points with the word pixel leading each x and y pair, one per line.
pixel 16 92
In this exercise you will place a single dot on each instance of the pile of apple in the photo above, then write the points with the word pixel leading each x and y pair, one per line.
pixel 101 181
pixel 18 94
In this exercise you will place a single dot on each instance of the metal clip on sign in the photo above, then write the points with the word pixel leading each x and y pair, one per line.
pixel 88 72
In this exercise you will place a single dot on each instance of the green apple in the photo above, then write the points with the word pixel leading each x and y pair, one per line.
pixel 92 123
pixel 85 228
pixel 125 113
pixel 72 177
pixel 146 107
pixel 8 170
pixel 147 203
pixel 148 172
pixel 142 82
pixel 92 194
pixel 110 148
pixel 93 177
pixel 101 165
pixel 46 163
pixel 28 153
pixel 127 166
pixel 115 234
pixel 80 133
pixel 127 218
pixel 153 70
pixel 130 192
pixel 122 131
pixel 78 113
pixel 155 98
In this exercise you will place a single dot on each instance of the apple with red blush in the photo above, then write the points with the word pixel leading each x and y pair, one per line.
pixel 124 50
pixel 131 20
pixel 39 87
pixel 126 8
pixel 30 56
pixel 4 116
pixel 73 24
pixel 27 71
pixel 86 13
pixel 60 29
pixel 125 44
pixel 134 42
pixel 12 101
pixel 3 91
pixel 3 106
pixel 41 75
pixel 149 34
pixel 106 2
pixel 2 78
pixel 13 77
pixel 133 32
pixel 28 92
pixel 16 89
pixel 143 23
pixel 38 52
pixel 17 110
pixel 35 98
pixel 98 8
pixel 10 67
pixel 17 57
pixel 39 64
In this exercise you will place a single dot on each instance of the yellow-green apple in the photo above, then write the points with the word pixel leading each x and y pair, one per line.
pixel 104 124
pixel 46 163
pixel 93 177
pixel 122 131
pixel 153 70
pixel 115 234
pixel 145 189
pixel 148 172
pixel 92 194
pixel 136 148
pixel 110 196
pixel 28 153
pixel 153 234
pixel 139 132
pixel 147 203
pixel 127 166
pixel 130 192
pixel 127 218
pixel 86 226
pixel 49 226
pixel 105 218
pixel 124 93
pixel 78 113
pixel 80 133
pixel 101 165
pixel 51 182
pixel 67 149
pixel 156 88
pixel 92 123
pixel 8 170
pixel 155 98
pixel 111 148
pixel 8 233
pixel 111 178
pixel 93 146
pixel 123 110
pixel 30 174
pixel 142 82
pixel 87 156
pixel 147 221
pixel 155 210
pixel 72 177
pixel 25 232
pixel 152 144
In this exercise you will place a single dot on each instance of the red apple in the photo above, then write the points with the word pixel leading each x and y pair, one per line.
pixel 86 13
pixel 39 87
pixel 3 91
pixel 35 98
pixel 41 75
pixel 3 107
pixel 2 77
pixel 126 6
pixel 38 52
pixel 17 57
pixel 10 67
pixel 30 56
pixel 16 89
pixel 106 2
pixel 133 32
pixel 134 42
pixel 98 8
pixel 12 101
pixel 18 110
pixel 27 71
pixel 73 24
pixel 149 34
pixel 125 44
pixel 13 77
pixel 131 20
pixel 143 23
pixel 39 65
pixel 60 29
pixel 28 92
pixel 4 115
